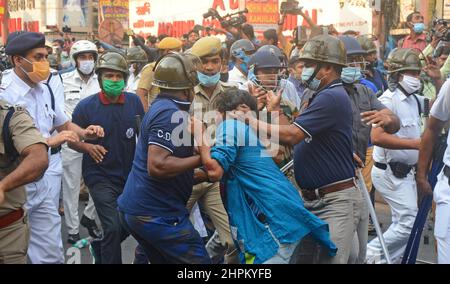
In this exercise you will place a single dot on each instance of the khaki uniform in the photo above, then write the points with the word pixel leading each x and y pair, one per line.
pixel 14 238
pixel 145 83
pixel 208 194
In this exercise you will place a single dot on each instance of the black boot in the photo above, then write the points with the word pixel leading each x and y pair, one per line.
pixel 91 226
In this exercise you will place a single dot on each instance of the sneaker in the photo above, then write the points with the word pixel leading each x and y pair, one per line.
pixel 91 226
pixel 73 239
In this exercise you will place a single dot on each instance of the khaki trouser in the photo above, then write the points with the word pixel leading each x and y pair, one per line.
pixel 341 211
pixel 14 242
pixel 208 196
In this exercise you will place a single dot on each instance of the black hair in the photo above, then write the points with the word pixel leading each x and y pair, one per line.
pixel 410 16
pixel 248 30
pixel 152 39
pixel 194 31
pixel 162 36
pixel 234 97
pixel 271 34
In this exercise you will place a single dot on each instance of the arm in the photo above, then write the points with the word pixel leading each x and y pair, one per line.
pixel 385 140
pixel 97 152
pixel 281 37
pixel 384 118
pixel 138 42
pixel 142 94
pixel 429 139
pixel 162 164
pixel 33 165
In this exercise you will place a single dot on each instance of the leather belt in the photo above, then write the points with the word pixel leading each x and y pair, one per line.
pixel 312 195
pixel 381 166
pixel 56 150
pixel 11 218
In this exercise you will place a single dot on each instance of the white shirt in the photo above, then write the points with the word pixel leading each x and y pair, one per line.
pixel 132 83
pixel 441 111
pixel 76 89
pixel 236 77
pixel 407 110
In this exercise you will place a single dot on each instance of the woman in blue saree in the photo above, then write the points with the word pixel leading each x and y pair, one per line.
pixel 266 213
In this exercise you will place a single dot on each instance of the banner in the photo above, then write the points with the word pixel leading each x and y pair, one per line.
pixel 263 14
pixel 114 9
pixel 75 13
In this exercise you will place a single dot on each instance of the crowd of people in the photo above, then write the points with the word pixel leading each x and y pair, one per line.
pixel 239 151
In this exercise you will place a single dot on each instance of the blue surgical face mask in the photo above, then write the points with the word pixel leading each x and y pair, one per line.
pixel 419 28
pixel 208 81
pixel 306 75
pixel 351 75
pixel 244 57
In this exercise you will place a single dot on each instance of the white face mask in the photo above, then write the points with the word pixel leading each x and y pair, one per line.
pixel 411 84
pixel 86 66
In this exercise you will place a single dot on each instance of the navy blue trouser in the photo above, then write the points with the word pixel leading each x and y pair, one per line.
pixel 167 240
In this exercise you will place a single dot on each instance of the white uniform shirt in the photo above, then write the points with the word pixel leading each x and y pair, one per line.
pixel 407 110
pixel 76 89
pixel 441 111
pixel 132 83
pixel 236 77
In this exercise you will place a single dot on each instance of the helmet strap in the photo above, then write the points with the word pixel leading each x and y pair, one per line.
pixel 313 76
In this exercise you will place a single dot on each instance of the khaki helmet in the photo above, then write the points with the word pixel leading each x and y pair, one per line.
pixel 324 49
pixel 136 55
pixel 367 44
pixel 177 71
pixel 403 59
pixel 113 60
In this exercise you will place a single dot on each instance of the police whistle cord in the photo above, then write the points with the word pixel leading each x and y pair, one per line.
pixel 365 193
pixel 287 167
pixel 412 248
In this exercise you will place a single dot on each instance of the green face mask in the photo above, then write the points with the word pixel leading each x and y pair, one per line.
pixel 113 88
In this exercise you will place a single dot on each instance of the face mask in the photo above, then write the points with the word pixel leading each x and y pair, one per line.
pixel 351 75
pixel 244 57
pixel 41 71
pixel 410 84
pixel 113 88
pixel 86 66
pixel 208 81
pixel 64 54
pixel 306 75
pixel 224 77
pixel 419 28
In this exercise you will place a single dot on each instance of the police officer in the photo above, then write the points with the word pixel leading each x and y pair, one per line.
pixel 23 159
pixel 78 84
pixel 371 72
pixel 25 88
pixel 323 152
pixel 146 90
pixel 153 204
pixel 107 161
pixel 207 93
pixel 367 111
pixel 240 52
pixel 137 58
pixel 396 155
pixel 439 116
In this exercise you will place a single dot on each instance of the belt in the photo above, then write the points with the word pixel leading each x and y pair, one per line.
pixel 11 218
pixel 311 195
pixel 56 150
pixel 381 166
pixel 447 171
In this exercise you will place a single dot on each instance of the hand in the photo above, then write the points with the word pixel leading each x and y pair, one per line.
pixel 376 118
pixel 433 70
pixel 2 196
pixel 417 143
pixel 62 137
pixel 423 187
pixel 274 100
pixel 256 91
pixel 200 176
pixel 94 132
pixel 358 161
pixel 196 128
pixel 97 152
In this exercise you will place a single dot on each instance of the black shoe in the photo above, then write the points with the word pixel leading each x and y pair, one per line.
pixel 73 239
pixel 91 226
